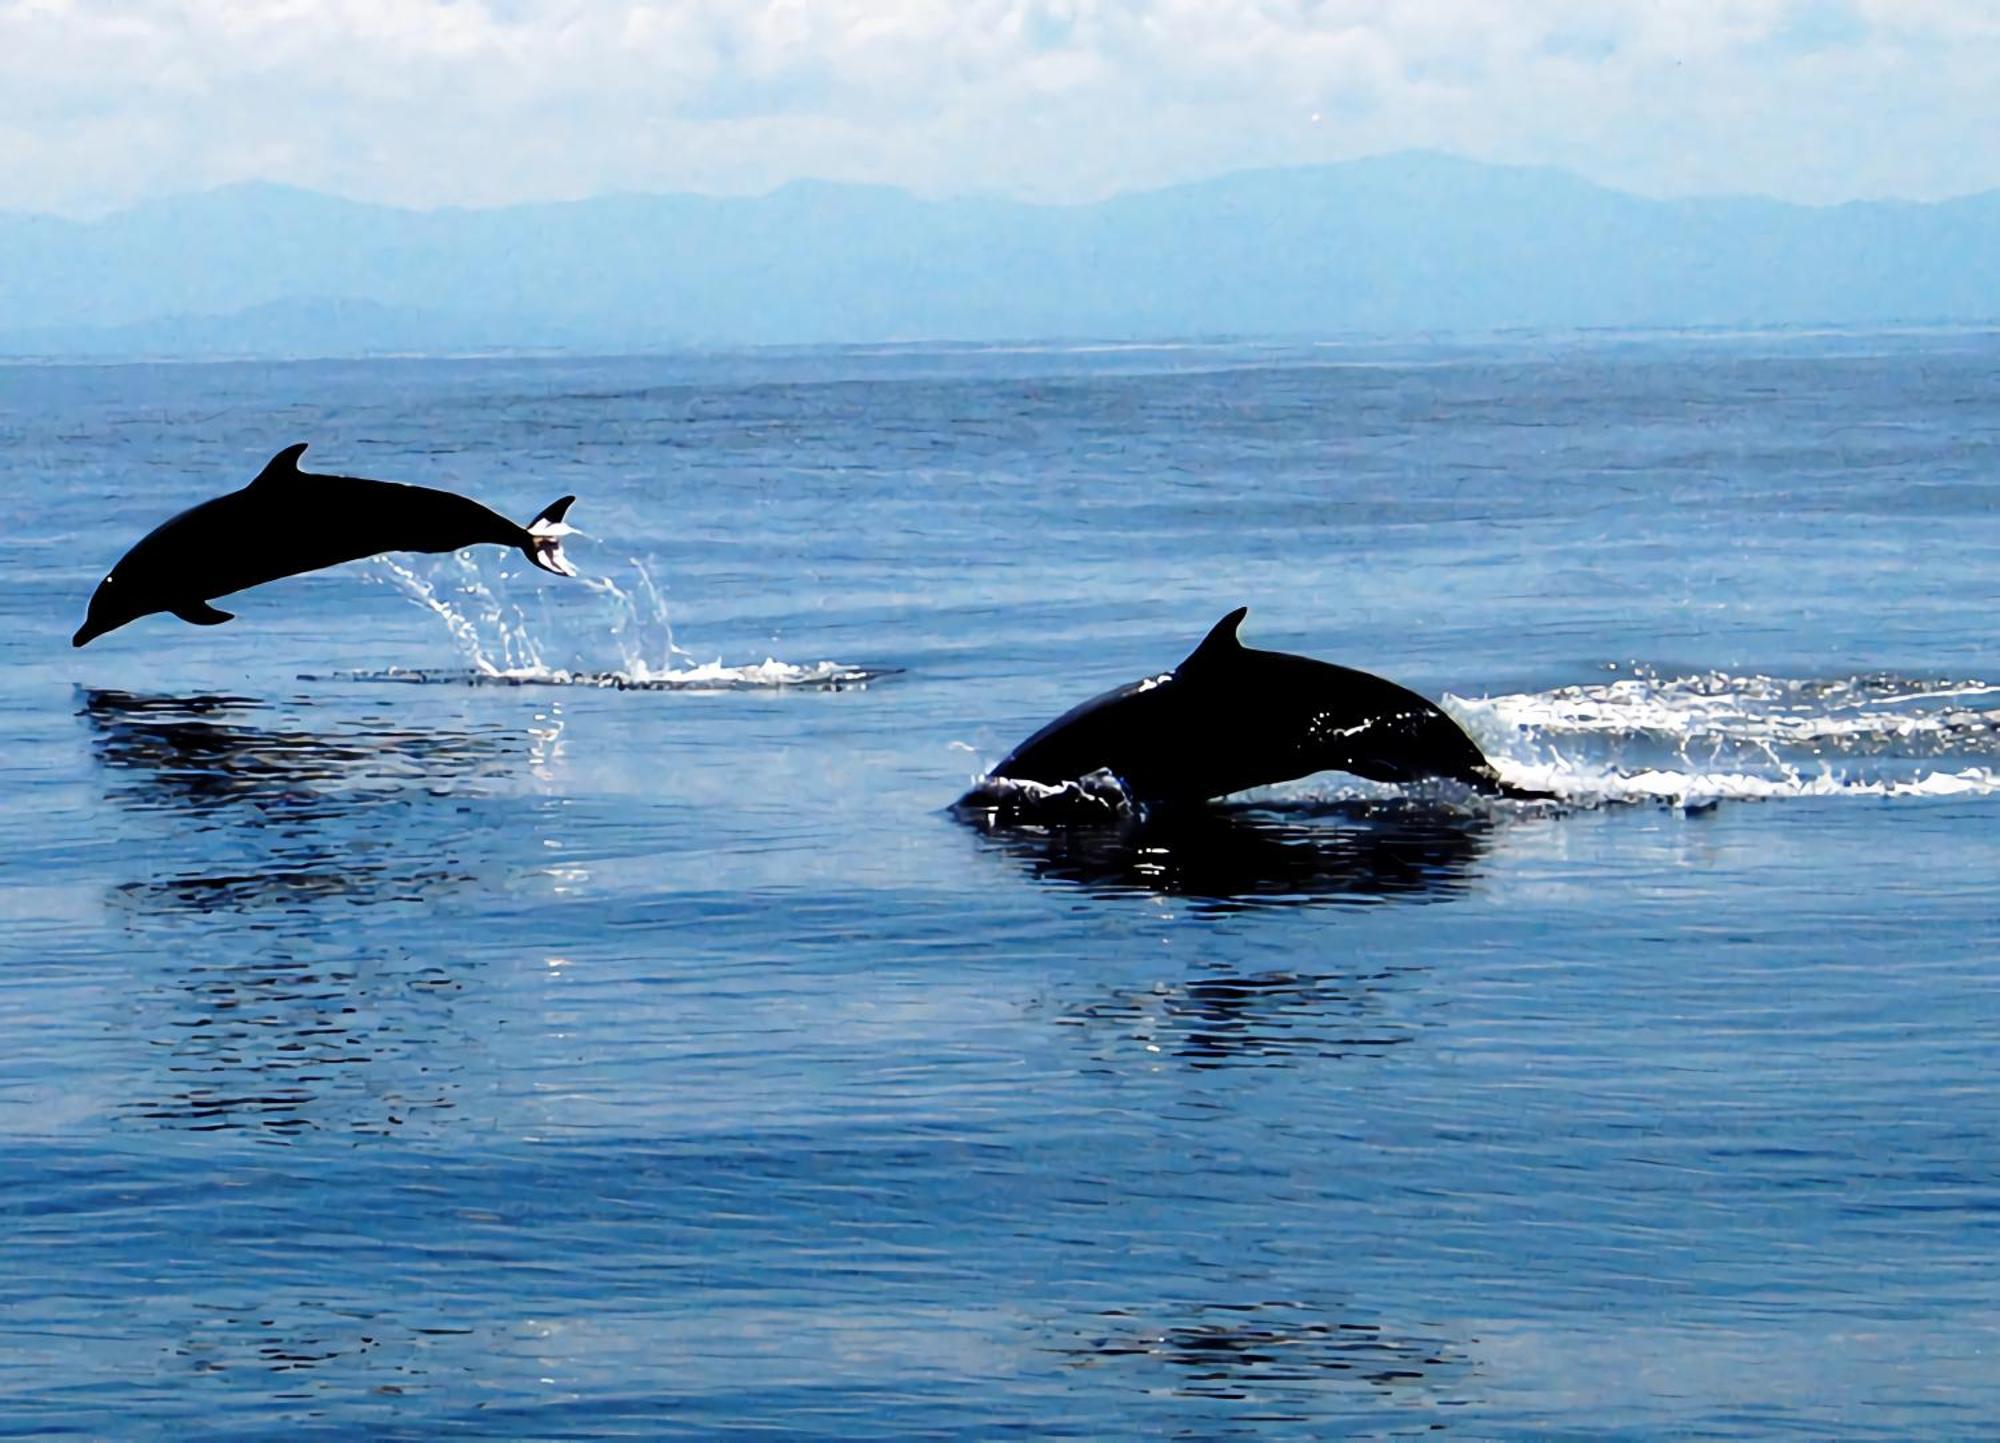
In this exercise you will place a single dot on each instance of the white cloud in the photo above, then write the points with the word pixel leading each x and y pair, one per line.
pixel 458 101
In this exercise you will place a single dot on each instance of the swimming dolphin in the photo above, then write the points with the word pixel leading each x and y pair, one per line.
pixel 288 521
pixel 1230 718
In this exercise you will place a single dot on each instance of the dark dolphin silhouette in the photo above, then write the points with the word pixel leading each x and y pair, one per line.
pixel 288 521
pixel 1230 718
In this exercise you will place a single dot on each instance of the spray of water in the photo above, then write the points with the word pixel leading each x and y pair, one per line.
pixel 501 646
pixel 491 634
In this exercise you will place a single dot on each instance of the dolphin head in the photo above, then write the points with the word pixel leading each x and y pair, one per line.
pixel 112 605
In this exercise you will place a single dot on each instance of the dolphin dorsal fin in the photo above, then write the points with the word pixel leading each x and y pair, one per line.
pixel 282 467
pixel 1219 646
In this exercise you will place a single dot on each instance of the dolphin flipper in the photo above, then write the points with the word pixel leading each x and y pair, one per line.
pixel 200 613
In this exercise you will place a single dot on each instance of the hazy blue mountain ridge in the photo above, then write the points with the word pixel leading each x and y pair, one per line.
pixel 1414 242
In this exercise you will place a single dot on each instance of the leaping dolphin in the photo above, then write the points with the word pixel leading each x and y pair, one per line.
pixel 288 521
pixel 1229 718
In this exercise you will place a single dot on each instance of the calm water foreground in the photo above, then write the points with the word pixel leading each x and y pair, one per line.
pixel 404 1037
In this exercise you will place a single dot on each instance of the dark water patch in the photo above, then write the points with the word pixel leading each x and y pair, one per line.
pixel 199 754
pixel 1222 1018
pixel 275 1045
pixel 285 822
pixel 284 886
pixel 1234 860
pixel 1283 1364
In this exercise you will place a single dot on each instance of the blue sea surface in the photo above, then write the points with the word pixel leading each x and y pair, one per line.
pixel 456 1001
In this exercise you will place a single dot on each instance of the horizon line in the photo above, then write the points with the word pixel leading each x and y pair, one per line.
pixel 1414 153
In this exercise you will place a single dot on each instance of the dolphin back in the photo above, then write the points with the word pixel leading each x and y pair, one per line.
pixel 1371 727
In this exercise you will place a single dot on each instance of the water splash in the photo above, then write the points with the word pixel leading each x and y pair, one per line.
pixel 504 647
pixel 1099 797
pixel 1711 736
pixel 467 636
pixel 1861 715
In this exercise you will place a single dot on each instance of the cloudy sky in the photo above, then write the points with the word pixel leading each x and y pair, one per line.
pixel 429 102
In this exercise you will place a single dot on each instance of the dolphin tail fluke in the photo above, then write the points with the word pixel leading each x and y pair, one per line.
pixel 545 534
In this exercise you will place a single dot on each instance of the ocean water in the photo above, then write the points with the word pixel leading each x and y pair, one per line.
pixel 454 1001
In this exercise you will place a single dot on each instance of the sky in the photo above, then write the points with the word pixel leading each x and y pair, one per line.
pixel 105 103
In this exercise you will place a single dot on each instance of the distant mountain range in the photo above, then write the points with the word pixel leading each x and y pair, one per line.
pixel 1398 244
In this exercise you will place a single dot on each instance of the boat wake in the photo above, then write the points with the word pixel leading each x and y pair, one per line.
pixel 626 644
